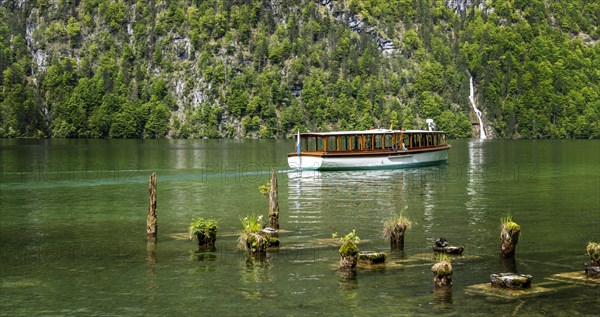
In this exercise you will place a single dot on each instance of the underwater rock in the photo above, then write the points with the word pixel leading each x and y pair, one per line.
pixel 372 257
pixel 511 280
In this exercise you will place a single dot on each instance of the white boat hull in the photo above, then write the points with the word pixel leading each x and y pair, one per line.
pixel 379 161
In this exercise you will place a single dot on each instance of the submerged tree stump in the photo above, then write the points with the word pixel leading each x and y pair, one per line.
pixel 206 241
pixel 151 225
pixel 442 246
pixel 273 203
pixel 508 264
pixel 510 280
pixel 509 236
pixel 442 273
pixel 394 229
pixel 348 255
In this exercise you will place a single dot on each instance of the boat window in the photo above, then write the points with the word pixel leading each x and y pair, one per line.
pixel 331 143
pixel 368 142
pixel 309 144
pixel 388 141
pixel 358 139
pixel 320 144
pixel 344 143
pixel 378 141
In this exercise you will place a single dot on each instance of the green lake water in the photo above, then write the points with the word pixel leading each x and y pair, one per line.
pixel 73 217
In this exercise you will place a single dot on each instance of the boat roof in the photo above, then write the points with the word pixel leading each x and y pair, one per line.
pixel 373 131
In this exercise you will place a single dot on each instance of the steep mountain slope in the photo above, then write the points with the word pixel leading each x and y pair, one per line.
pixel 254 68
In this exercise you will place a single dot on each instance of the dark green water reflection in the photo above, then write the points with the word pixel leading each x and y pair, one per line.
pixel 73 213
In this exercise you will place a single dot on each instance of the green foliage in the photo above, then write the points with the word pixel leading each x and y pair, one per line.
pixel 252 238
pixel 203 226
pixel 183 68
pixel 265 189
pixel 349 242
pixel 509 224
pixel 252 223
pixel 395 225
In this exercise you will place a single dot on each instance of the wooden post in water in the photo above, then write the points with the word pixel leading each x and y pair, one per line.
pixel 273 203
pixel 509 236
pixel 151 227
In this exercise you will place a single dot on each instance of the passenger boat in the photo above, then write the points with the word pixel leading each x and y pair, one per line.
pixel 368 149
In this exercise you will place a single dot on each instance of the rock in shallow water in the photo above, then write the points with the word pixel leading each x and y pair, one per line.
pixel 511 280
pixel 371 257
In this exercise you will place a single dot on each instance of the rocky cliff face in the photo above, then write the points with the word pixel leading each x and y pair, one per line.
pixel 385 45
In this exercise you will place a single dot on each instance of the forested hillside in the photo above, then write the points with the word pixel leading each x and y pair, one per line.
pixel 258 68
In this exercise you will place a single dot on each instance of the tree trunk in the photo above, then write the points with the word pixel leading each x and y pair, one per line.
pixel 509 264
pixel 442 280
pixel 273 203
pixel 348 262
pixel 508 241
pixel 397 240
pixel 151 226
pixel 206 241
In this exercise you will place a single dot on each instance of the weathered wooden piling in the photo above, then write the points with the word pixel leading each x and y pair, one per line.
pixel 348 256
pixel 442 272
pixel 151 225
pixel 349 251
pixel 394 229
pixel 274 203
pixel 509 236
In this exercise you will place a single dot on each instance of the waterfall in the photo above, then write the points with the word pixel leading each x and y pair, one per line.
pixel 477 112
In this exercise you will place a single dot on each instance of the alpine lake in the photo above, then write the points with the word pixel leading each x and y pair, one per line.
pixel 73 242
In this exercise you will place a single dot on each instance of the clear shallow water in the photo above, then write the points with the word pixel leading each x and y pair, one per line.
pixel 73 212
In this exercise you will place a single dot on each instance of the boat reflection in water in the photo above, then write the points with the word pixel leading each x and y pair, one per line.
pixel 331 201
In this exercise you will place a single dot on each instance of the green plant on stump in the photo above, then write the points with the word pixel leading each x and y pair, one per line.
pixel 593 251
pixel 265 189
pixel 348 250
pixel 509 236
pixel 204 231
pixel 394 229
pixel 349 242
pixel 442 271
pixel 252 238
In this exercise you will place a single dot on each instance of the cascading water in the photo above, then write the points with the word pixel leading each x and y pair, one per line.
pixel 477 112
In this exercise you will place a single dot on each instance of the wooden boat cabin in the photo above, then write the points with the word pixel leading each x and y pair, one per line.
pixel 369 149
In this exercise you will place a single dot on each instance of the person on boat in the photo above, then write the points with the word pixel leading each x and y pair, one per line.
pixel 394 149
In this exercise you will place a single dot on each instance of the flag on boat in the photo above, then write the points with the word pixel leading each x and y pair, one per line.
pixel 298 143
